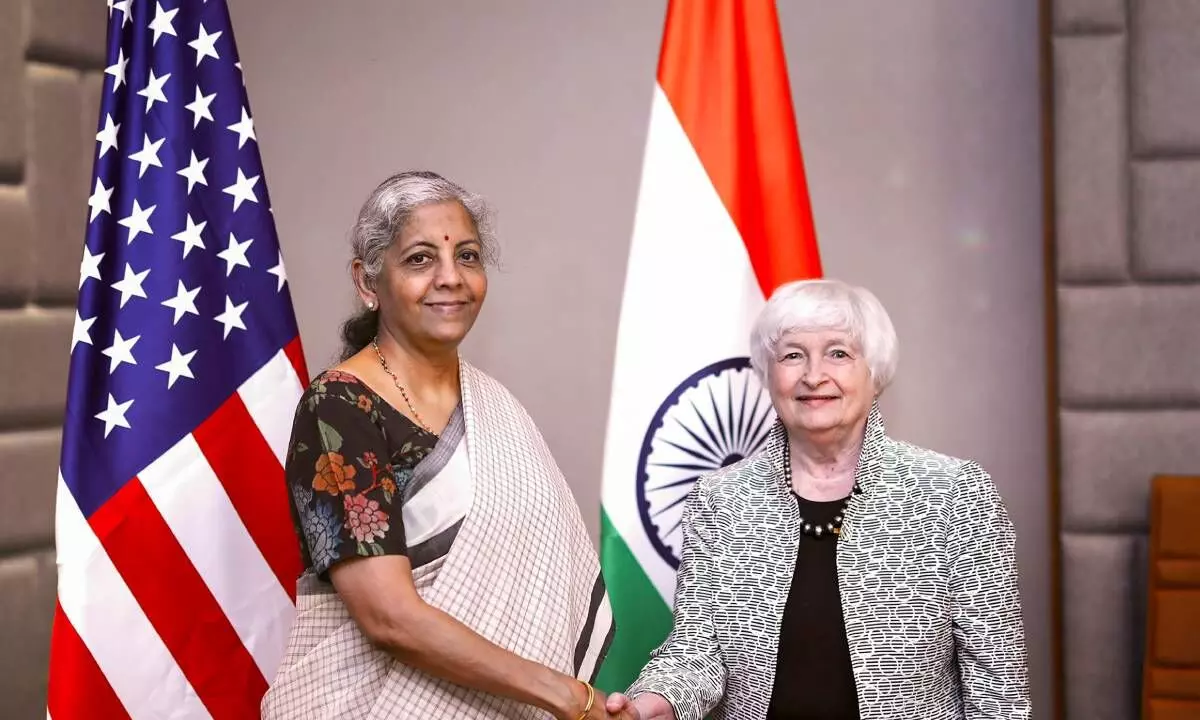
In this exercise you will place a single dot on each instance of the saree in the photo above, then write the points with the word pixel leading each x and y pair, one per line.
pixel 496 541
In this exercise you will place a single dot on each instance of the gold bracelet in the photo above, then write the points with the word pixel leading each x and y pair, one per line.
pixel 591 700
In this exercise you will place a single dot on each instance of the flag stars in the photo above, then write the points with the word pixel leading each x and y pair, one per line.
pixel 177 366
pixel 194 172
pixel 279 272
pixel 131 284
pixel 82 331
pixel 114 415
pixel 183 303
pixel 153 92
pixel 90 266
pixel 242 189
pixel 200 107
pixel 121 351
pixel 190 236
pixel 117 69
pixel 107 137
pixel 235 254
pixel 100 200
pixel 123 6
pixel 138 221
pixel 232 317
pixel 205 45
pixel 161 24
pixel 244 129
pixel 148 155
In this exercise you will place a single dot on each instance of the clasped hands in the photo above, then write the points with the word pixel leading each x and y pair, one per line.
pixel 605 707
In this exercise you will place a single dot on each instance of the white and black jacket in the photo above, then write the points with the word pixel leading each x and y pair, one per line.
pixel 928 580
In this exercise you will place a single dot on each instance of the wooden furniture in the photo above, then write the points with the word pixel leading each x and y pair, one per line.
pixel 1171 681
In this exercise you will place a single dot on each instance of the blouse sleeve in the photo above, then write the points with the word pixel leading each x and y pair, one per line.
pixel 341 481
pixel 988 630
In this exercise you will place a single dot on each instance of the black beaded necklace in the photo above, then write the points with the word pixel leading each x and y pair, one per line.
pixel 817 530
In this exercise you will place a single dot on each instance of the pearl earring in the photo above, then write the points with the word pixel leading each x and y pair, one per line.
pixel 371 306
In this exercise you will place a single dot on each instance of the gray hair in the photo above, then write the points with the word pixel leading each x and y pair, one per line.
pixel 384 215
pixel 815 305
pixel 390 206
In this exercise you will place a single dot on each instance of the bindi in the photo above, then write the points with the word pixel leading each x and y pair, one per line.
pixel 446 238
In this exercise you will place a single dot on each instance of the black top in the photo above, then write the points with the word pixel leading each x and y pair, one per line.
pixel 350 458
pixel 813 676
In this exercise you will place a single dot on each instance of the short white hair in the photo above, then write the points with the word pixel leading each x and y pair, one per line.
pixel 817 305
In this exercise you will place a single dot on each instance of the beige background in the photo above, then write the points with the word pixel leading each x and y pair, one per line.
pixel 919 122
pixel 920 125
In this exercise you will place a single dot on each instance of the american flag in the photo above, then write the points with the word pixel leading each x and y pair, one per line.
pixel 176 555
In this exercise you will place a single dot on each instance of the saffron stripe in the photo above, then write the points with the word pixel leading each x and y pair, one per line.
pixel 178 604
pixel 253 478
pixel 724 71
pixel 78 688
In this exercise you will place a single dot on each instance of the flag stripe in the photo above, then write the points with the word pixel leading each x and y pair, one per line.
pixel 643 617
pixel 103 611
pixel 182 586
pixel 676 205
pixel 239 455
pixel 78 689
pixel 178 604
pixel 195 506
pixel 295 353
pixel 723 218
pixel 724 71
pixel 271 387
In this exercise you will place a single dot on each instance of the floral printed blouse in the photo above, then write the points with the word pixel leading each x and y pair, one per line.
pixel 350 457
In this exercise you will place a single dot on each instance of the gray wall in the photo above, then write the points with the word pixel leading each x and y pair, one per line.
pixel 919 123
pixel 920 127
pixel 1127 179
pixel 49 100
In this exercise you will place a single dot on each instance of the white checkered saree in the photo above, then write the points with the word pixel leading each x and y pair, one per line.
pixel 519 570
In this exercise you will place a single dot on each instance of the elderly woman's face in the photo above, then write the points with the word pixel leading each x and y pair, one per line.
pixel 433 283
pixel 820 381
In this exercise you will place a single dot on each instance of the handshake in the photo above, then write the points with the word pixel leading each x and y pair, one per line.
pixel 597 706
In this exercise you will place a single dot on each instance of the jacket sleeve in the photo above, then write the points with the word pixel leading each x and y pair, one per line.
pixel 687 669
pixel 989 633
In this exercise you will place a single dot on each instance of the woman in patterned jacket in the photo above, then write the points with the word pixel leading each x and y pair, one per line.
pixel 839 574
pixel 447 571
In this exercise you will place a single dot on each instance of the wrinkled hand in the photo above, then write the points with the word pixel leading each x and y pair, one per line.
pixel 647 706
pixel 602 709
pixel 621 707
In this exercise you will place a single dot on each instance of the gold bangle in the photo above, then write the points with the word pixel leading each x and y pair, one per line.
pixel 591 700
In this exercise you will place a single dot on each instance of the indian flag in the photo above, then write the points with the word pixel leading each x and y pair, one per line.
pixel 723 218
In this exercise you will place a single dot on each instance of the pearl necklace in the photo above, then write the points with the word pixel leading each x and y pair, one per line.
pixel 403 392
pixel 818 530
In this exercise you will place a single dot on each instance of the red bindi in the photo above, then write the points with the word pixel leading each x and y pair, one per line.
pixel 446 238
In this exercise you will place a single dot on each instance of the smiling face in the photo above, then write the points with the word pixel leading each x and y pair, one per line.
pixel 820 382
pixel 432 283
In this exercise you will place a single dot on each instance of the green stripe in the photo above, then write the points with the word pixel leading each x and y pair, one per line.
pixel 643 618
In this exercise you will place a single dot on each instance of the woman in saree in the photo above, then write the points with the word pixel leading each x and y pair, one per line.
pixel 448 573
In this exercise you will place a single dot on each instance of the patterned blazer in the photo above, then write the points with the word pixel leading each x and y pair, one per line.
pixel 927 574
